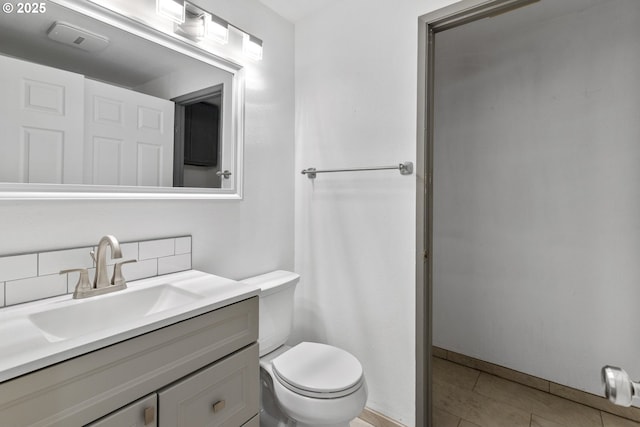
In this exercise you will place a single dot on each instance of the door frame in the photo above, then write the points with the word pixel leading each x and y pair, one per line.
pixel 460 13
pixel 179 124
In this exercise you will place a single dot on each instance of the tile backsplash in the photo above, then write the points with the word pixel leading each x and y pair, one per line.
pixel 34 276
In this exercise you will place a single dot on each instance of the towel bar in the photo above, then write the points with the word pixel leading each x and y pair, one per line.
pixel 405 168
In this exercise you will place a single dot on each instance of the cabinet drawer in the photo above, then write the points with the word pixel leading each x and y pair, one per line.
pixel 225 394
pixel 142 413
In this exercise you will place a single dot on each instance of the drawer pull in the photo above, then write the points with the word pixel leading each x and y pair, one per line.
pixel 149 415
pixel 218 406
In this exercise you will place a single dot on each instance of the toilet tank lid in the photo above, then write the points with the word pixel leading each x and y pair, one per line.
pixel 273 281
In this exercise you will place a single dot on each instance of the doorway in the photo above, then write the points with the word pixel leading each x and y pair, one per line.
pixel 528 154
pixel 198 132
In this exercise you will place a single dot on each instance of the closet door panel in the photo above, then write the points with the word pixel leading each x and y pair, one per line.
pixel 41 123
pixel 129 137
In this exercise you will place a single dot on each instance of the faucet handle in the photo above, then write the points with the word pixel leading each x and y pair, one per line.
pixel 118 278
pixel 83 284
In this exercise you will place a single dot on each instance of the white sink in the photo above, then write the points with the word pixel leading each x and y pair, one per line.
pixel 119 309
pixel 38 334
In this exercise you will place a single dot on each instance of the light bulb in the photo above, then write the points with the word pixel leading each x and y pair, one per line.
pixel 218 29
pixel 171 9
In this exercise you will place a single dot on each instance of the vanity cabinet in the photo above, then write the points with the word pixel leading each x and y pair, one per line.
pixel 203 371
pixel 221 395
pixel 253 422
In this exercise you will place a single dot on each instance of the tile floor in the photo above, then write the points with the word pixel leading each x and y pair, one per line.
pixel 359 423
pixel 465 397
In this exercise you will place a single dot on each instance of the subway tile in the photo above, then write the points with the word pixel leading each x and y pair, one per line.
pixel 34 288
pixel 18 267
pixel 175 252
pixel 548 406
pixel 140 270
pixel 174 264
pixel 55 261
pixel 183 245
pixel 129 251
pixel 156 248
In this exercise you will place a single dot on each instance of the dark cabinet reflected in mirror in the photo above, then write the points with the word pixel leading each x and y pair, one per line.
pixel 117 115
pixel 197 137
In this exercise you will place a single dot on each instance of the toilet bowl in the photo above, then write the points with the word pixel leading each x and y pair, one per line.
pixel 310 384
pixel 314 384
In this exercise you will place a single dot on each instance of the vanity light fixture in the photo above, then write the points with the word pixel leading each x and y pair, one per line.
pixel 217 29
pixel 171 9
pixel 194 25
pixel 252 47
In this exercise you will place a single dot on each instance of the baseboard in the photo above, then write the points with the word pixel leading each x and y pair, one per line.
pixel 377 419
pixel 579 396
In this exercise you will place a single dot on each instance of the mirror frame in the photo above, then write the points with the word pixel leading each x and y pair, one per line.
pixel 27 191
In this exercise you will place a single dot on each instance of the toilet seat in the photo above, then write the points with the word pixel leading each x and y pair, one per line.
pixel 318 371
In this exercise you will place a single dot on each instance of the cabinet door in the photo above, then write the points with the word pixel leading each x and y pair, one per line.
pixel 201 134
pixel 226 394
pixel 142 413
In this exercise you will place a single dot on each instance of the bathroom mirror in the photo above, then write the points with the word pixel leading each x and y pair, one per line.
pixel 112 118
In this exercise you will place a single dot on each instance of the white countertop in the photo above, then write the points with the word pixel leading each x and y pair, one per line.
pixel 25 345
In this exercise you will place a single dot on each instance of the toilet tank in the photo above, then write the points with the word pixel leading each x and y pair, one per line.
pixel 276 307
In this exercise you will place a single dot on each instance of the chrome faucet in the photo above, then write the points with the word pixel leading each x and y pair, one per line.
pixel 100 257
pixel 101 283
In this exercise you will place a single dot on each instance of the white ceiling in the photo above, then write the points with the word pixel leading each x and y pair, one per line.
pixel 127 61
pixel 295 10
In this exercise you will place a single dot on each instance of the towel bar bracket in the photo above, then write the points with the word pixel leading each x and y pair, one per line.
pixel 406 168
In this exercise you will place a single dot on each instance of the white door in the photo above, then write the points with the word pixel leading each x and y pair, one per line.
pixel 41 123
pixel 128 137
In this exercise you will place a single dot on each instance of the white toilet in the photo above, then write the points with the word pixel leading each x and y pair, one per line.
pixel 310 384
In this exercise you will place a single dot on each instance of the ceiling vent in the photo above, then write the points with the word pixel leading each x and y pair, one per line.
pixel 71 35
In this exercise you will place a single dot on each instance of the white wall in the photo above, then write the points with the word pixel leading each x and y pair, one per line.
pixel 356 96
pixel 231 238
pixel 537 204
